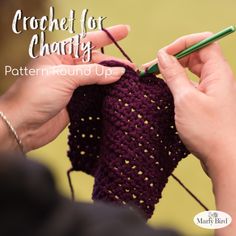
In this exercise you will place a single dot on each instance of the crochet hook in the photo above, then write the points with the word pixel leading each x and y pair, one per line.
pixel 154 69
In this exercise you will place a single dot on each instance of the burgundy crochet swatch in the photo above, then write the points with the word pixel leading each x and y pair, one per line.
pixel 124 135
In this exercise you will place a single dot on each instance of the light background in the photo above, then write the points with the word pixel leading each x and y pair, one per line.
pixel 153 25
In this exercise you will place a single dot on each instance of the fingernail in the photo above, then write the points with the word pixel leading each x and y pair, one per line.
pixel 128 27
pixel 118 71
pixel 165 60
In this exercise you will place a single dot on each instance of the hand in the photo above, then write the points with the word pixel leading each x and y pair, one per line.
pixel 205 114
pixel 36 106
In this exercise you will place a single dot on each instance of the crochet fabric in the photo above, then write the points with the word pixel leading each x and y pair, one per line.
pixel 124 135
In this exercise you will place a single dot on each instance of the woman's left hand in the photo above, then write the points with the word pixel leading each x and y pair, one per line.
pixel 36 106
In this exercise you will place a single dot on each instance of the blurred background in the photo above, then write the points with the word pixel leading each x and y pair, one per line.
pixel 154 24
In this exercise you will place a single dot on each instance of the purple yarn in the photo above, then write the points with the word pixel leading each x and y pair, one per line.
pixel 124 135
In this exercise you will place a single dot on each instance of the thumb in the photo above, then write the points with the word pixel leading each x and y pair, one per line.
pixel 174 74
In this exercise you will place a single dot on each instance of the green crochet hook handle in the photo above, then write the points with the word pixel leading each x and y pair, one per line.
pixel 154 69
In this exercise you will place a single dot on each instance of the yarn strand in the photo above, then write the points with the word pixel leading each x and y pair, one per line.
pixel 189 192
pixel 117 45
pixel 70 183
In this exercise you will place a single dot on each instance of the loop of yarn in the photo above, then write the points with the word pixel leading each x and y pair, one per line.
pixel 124 135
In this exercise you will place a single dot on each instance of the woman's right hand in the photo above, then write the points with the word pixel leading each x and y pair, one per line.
pixel 205 114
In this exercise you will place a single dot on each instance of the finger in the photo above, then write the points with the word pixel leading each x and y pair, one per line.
pixel 100 39
pixel 99 57
pixel 194 65
pixel 97 38
pixel 174 74
pixel 212 51
pixel 186 41
pixel 216 76
pixel 80 75
pixel 179 45
pixel 148 64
